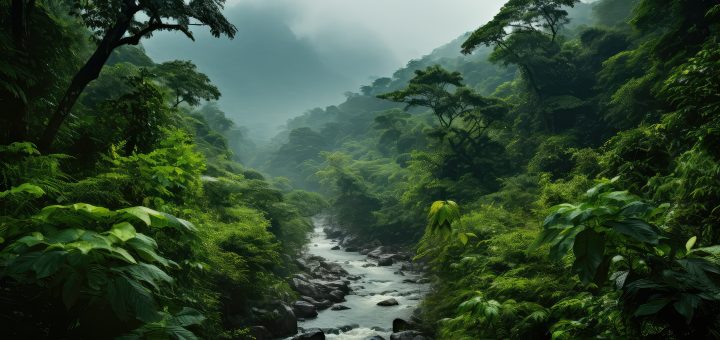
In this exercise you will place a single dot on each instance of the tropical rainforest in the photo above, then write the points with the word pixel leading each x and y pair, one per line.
pixel 556 172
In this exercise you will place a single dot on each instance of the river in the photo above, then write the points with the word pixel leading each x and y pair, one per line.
pixel 376 284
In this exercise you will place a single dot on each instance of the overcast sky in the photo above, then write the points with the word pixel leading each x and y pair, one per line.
pixel 293 55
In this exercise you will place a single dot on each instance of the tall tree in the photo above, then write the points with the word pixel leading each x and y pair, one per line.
pixel 114 24
pixel 522 30
pixel 188 85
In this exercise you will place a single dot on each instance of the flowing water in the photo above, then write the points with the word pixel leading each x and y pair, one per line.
pixel 376 284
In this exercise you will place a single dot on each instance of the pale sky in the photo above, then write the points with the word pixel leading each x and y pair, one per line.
pixel 290 56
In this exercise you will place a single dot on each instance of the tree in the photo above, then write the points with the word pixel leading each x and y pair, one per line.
pixel 432 88
pixel 522 30
pixel 187 84
pixel 114 24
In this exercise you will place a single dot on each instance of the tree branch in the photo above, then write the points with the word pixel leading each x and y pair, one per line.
pixel 153 26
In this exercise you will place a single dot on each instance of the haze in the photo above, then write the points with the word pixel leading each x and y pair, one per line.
pixel 290 55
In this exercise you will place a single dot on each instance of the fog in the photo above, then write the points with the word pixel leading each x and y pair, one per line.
pixel 293 55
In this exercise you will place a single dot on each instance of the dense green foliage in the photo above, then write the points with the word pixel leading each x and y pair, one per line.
pixel 140 224
pixel 558 169
pixel 550 100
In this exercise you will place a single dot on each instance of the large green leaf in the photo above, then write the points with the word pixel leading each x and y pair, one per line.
pixel 637 229
pixel 123 231
pixel 130 300
pixel 686 305
pixel 25 188
pixel 564 241
pixel 48 263
pixel 651 307
pixel 187 317
pixel 589 249
pixel 147 273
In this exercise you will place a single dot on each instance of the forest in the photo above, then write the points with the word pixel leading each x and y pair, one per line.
pixel 553 174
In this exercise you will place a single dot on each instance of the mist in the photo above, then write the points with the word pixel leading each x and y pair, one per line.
pixel 291 56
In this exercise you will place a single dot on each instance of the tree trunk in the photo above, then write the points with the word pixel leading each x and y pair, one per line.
pixel 89 72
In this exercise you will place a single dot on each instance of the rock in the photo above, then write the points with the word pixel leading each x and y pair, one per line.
pixel 331 331
pixel 400 325
pixel 260 333
pixel 354 277
pixel 369 265
pixel 320 305
pixel 283 324
pixel 388 292
pixel 339 285
pixel 335 248
pixel 304 309
pixel 364 251
pixel 311 334
pixel 409 281
pixel 351 249
pixel 339 307
pixel 304 287
pixel 399 272
pixel 374 337
pixel 407 335
pixel 388 302
pixel 336 296
pixel 385 260
pixel 423 280
pixel 375 253
pixel 349 327
pixel 379 329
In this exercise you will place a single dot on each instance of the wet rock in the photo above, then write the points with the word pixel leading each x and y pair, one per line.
pixel 349 327
pixel 409 281
pixel 385 260
pixel 400 325
pixel 388 292
pixel 335 248
pixel 336 296
pixel 331 331
pixel 304 287
pixel 364 251
pixel 369 265
pixel 423 280
pixel 304 309
pixel 375 253
pixel 339 307
pixel 350 249
pixel 374 337
pixel 379 329
pixel 311 334
pixel 354 277
pixel 320 305
pixel 388 302
pixel 399 272
pixel 260 333
pixel 281 322
pixel 408 335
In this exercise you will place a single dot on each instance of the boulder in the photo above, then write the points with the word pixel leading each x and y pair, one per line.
pixel 375 253
pixel 304 309
pixel 304 287
pixel 331 331
pixel 349 327
pixel 336 296
pixel 374 337
pixel 388 302
pixel 283 323
pixel 320 305
pixel 407 335
pixel 385 260
pixel 364 251
pixel 339 307
pixel 369 265
pixel 335 248
pixel 311 334
pixel 400 325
